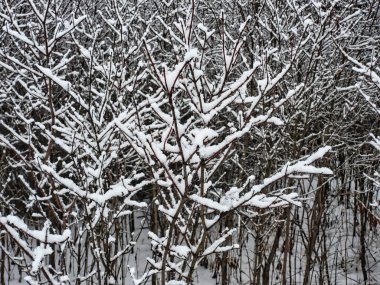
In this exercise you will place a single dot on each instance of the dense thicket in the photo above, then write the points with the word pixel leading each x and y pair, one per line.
pixel 144 141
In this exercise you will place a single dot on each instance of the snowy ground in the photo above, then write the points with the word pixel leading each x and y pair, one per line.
pixel 342 248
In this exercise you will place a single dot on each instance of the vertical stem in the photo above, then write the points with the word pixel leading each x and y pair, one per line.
pixel 2 269
pixel 154 224
pixel 286 247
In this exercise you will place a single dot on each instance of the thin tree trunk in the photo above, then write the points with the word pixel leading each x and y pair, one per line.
pixel 363 225
pixel 272 253
pixel 224 262
pixel 316 218
pixel 2 269
pixel 286 247
pixel 154 225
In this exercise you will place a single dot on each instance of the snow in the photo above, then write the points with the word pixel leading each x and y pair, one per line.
pixel 191 54
pixel 39 254
pixel 168 120
pixel 175 282
pixel 200 136
pixel 22 37
pixel 181 250
pixel 210 203
pixel 308 22
pixel 217 243
pixel 64 84
pixel 171 77
pixel 42 236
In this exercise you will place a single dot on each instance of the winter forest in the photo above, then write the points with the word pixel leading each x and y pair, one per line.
pixel 189 142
